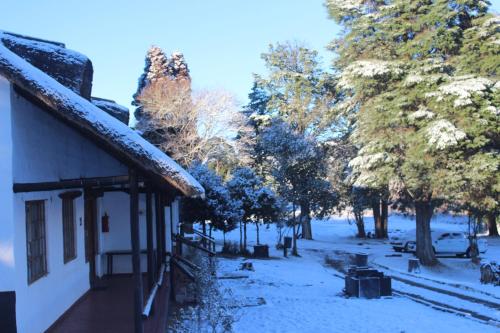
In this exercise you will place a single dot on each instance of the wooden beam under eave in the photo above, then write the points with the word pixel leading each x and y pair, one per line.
pixel 64 184
pixel 136 250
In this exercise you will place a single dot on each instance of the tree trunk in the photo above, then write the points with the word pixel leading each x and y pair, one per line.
pixel 305 218
pixel 257 226
pixel 384 217
pixel 204 232
pixel 294 239
pixel 474 222
pixel 492 225
pixel 245 236
pixel 241 238
pixel 377 219
pixel 425 250
pixel 224 237
pixel 358 216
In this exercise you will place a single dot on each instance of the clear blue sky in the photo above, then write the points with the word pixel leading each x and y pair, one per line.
pixel 221 39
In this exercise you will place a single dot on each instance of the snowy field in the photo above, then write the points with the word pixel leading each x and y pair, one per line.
pixel 303 294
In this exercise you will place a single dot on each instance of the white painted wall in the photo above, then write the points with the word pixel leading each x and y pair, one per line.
pixel 45 149
pixel 117 206
pixel 176 215
pixel 7 263
pixel 48 150
pixel 168 230
pixel 42 302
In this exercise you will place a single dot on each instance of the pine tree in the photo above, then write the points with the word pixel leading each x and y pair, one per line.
pixel 257 119
pixel 421 78
pixel 300 93
pixel 297 89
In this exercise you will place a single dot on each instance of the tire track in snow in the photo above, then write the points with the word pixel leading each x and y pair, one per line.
pixel 453 285
pixel 440 306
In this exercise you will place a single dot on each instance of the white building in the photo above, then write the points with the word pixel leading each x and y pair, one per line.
pixel 89 208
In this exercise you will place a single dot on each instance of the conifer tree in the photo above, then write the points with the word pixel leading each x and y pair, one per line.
pixel 421 78
pixel 300 93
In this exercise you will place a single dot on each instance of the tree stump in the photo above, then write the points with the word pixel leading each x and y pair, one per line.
pixel 361 259
pixel 247 266
pixel 413 265
pixel 490 273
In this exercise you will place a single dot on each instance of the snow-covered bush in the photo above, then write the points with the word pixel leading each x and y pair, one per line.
pixel 259 203
pixel 219 206
pixel 216 309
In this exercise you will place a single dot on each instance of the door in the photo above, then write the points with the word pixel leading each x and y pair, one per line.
pixel 91 236
pixel 445 243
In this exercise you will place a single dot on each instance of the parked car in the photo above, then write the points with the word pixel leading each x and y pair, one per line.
pixel 443 242
pixel 400 243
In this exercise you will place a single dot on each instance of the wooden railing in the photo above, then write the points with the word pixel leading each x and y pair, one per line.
pixel 192 244
pixel 206 240
pixel 152 294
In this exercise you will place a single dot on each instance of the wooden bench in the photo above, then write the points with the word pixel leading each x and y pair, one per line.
pixel 111 254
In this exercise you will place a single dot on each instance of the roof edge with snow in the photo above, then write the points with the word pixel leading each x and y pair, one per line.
pixel 82 114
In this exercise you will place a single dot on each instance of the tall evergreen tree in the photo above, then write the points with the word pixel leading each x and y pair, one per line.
pixel 425 105
pixel 300 93
pixel 296 89
pixel 257 119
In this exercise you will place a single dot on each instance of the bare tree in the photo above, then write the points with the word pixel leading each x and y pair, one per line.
pixel 189 125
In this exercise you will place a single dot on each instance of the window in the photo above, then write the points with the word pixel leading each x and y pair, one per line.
pixel 36 249
pixel 68 218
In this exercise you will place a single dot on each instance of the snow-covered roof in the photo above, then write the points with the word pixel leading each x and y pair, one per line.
pixel 70 68
pixel 111 107
pixel 85 116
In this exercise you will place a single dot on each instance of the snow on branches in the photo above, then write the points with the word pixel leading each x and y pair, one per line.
pixel 489 29
pixel 421 113
pixel 346 4
pixel 463 87
pixel 363 166
pixel 373 69
pixel 442 134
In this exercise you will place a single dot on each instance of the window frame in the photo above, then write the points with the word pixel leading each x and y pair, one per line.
pixel 30 234
pixel 69 230
pixel 68 216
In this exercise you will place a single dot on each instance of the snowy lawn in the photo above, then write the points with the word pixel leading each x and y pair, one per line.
pixel 302 294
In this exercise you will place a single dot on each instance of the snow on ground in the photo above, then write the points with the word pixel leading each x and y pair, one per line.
pixel 302 294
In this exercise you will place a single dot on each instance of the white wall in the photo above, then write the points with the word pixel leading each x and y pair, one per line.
pixel 48 150
pixel 7 263
pixel 117 206
pixel 45 149
pixel 176 215
pixel 42 302
pixel 168 230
